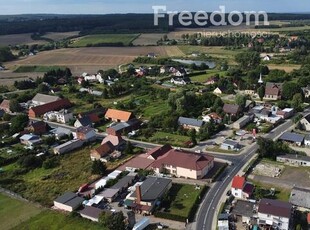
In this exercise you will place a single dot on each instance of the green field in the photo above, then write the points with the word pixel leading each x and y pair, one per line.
pixel 104 39
pixel 39 69
pixel 204 77
pixel 182 197
pixel 54 221
pixel 173 139
pixel 13 212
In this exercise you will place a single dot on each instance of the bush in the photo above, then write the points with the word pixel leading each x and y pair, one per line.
pixel 50 163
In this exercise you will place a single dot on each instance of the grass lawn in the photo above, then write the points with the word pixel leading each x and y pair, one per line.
pixel 204 77
pixel 42 69
pixel 93 40
pixel 182 198
pixel 13 212
pixel 53 221
pixel 173 139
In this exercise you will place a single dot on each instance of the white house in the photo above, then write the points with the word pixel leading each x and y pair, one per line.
pixel 180 81
pixel 214 116
pixel 294 160
pixel 267 58
pixel 62 116
pixel 237 186
pixel 274 213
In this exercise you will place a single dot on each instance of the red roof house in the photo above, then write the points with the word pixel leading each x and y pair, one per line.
pixel 52 106
pixel 238 182
pixel 118 115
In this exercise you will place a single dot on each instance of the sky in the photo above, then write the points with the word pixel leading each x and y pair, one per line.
pixel 145 6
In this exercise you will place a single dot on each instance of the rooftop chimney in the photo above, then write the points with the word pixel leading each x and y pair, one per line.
pixel 138 194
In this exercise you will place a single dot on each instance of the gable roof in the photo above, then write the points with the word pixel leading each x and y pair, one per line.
pixel 230 108
pixel 293 137
pixel 118 114
pixel 105 149
pixel 44 98
pixel 56 105
pixel 84 130
pixel 159 151
pixel 307 118
pixel 183 159
pixel 5 104
pixel 275 208
pixel 238 182
pixel 152 188
pixel 85 121
pixel 91 212
pixel 69 199
pixel 190 121
pixel 273 88
pixel 214 116
pixel 115 140
pixel 37 124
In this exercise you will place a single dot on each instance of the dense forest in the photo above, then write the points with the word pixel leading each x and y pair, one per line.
pixel 90 24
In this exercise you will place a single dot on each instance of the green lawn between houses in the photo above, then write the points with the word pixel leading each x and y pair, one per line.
pixel 97 39
pixel 13 212
pixel 54 221
pixel 173 139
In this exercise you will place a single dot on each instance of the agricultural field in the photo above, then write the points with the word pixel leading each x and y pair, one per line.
pixel 54 221
pixel 91 59
pixel 8 78
pixel 37 69
pixel 58 36
pixel 286 67
pixel 13 211
pixel 96 40
pixel 15 39
pixel 204 77
pixel 147 39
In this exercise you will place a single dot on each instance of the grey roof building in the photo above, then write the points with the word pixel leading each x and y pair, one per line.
pixel 230 145
pixel 300 197
pixel 69 201
pixel 124 183
pixel 190 122
pixel 91 213
pixel 292 137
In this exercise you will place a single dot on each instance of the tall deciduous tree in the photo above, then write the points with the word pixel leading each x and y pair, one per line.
pixel 248 60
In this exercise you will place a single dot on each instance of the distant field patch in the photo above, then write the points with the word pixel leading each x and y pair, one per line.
pixel 13 212
pixel 18 39
pixel 58 36
pixel 104 40
pixel 39 69
pixel 147 39
pixel 287 67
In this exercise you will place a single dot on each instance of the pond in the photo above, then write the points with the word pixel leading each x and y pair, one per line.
pixel 211 64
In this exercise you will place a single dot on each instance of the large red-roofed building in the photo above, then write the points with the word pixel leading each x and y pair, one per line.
pixel 52 106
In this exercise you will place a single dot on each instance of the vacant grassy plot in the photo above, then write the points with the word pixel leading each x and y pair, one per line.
pixel 93 40
pixel 287 67
pixel 44 185
pixel 54 221
pixel 183 197
pixel 13 212
pixel 204 77
pixel 147 39
pixel 38 69
pixel 173 139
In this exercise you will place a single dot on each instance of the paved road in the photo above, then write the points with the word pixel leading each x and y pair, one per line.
pixel 211 202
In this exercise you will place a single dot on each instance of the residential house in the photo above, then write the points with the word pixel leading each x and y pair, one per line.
pixel 124 127
pixel 245 210
pixel 146 196
pixel 305 122
pixel 180 80
pixel 124 183
pixel 217 119
pixel 109 194
pixel 42 99
pixel 306 91
pixel 52 106
pixel 267 58
pixel 68 202
pixel 230 145
pixel 237 186
pixel 294 160
pixel 5 105
pixel 30 140
pixel 86 133
pixel 151 55
pixel 159 151
pixel 94 115
pixel 190 123
pixel 223 221
pixel 285 113
pixel 300 197
pixel 83 122
pixel 274 213
pixel 219 90
pixel 91 213
pixel 63 116
pixel 37 127
pixel 102 152
pixel 118 115
pixel 231 109
pixel 273 91
pixel 60 132
pixel 184 164
pixel 242 122
pixel 180 72
pixel 212 80
pixel 293 138
pixel 68 146
pixel 117 141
